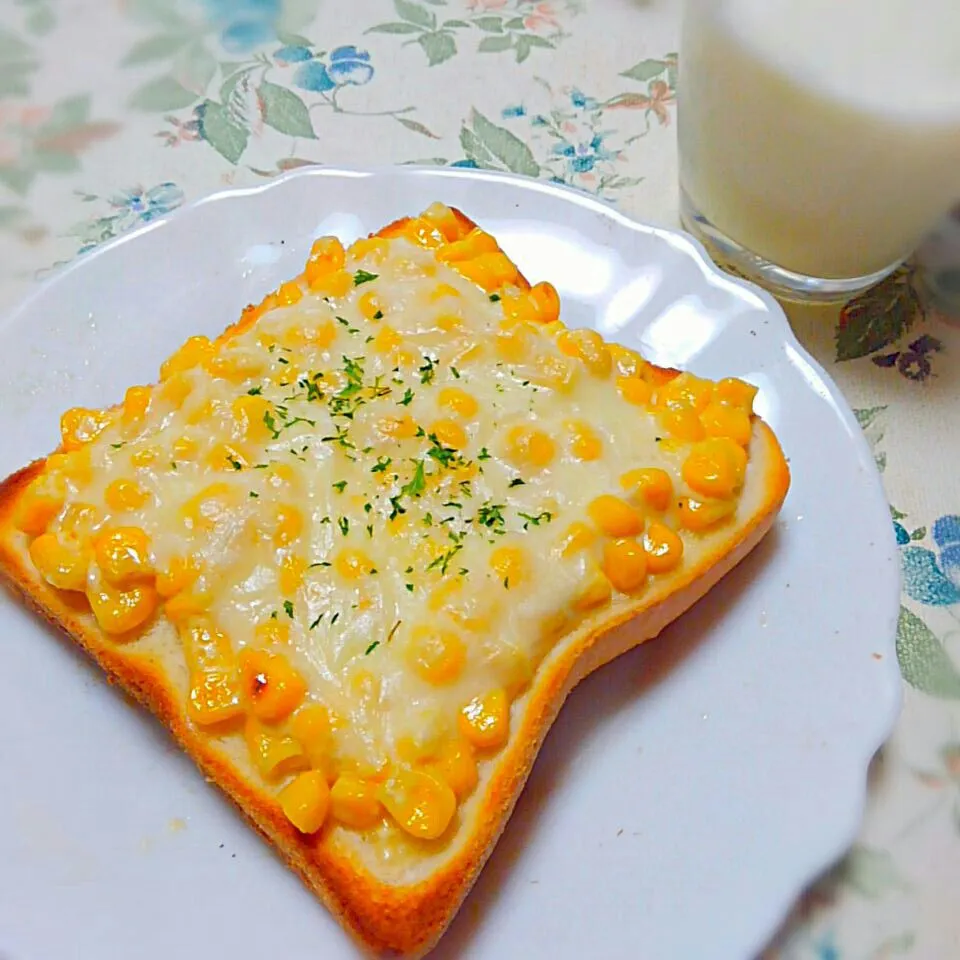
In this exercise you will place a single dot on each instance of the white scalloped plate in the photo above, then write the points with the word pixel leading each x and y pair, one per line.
pixel 686 794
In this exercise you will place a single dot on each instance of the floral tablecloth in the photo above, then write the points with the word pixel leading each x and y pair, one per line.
pixel 115 112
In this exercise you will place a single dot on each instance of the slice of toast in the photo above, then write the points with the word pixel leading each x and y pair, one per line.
pixel 356 552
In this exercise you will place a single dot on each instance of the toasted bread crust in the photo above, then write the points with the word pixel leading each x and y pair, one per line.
pixel 388 919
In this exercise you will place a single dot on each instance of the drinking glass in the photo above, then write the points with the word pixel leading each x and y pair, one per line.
pixel 819 139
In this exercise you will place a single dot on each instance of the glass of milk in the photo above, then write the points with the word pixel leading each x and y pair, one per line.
pixel 819 139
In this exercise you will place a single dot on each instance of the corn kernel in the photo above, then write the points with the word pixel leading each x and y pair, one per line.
pixel 292 568
pixel 489 271
pixel 41 502
pixel 273 687
pixel 634 390
pixel 288 525
pixel 336 284
pixel 697 515
pixel 442 290
pixel 458 401
pixel 474 244
pixel 513 344
pixel 450 224
pixel 485 721
pixel 578 536
pixel 552 371
pixel 327 256
pixel 272 632
pixel 248 414
pixel 735 393
pixel 370 248
pixel 74 466
pixel 136 403
pixel 193 352
pixel 305 801
pixel 80 425
pixel 312 726
pixel 420 804
pixel 370 306
pixel 527 446
pixel 387 339
pixel 182 606
pixel 123 495
pixel 540 304
pixel 226 457
pixel 663 547
pixel 584 444
pixel 449 433
pixel 123 554
pixel 289 293
pixel 436 655
pixel 354 802
pixel 79 520
pixel 184 448
pixel 588 345
pixel 716 468
pixel 397 428
pixel 213 698
pixel 275 755
pixel 63 565
pixel 686 392
pixel 352 564
pixel 234 366
pixel 280 475
pixel 721 420
pixel 180 575
pixel 145 456
pixel 175 390
pixel 510 565
pixel 682 424
pixel 625 565
pixel 615 517
pixel 628 362
pixel 650 486
pixel 457 767
pixel 120 611
pixel 449 322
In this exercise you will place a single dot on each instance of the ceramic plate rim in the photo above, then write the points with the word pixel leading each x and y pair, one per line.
pixel 835 840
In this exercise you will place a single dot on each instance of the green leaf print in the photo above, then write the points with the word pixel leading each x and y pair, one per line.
pixel 437 46
pixel 526 42
pixel 285 111
pixel 194 68
pixel 417 127
pixel 490 24
pixel 161 94
pixel 645 70
pixel 414 13
pixel 394 28
pixel 222 132
pixel 495 44
pixel 496 147
pixel 923 661
pixel 879 317
pixel 866 416
pixel 154 48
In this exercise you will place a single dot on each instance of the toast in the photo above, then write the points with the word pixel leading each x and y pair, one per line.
pixel 355 552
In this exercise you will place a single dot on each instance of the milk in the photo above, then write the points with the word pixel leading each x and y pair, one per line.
pixel 822 135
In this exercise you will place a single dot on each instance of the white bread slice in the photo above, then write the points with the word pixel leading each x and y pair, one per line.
pixel 403 911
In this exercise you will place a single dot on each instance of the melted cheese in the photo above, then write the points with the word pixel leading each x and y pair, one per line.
pixel 395 485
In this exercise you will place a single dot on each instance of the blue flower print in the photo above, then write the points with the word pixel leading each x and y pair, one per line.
pixel 291 54
pixel 583 157
pixel 510 113
pixel 313 76
pixel 148 205
pixel 582 102
pixel 929 577
pixel 348 65
pixel 244 24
